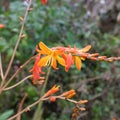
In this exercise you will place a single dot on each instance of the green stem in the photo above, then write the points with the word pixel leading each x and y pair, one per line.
pixel 38 112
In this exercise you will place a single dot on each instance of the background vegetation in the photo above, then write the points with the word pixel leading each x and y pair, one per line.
pixel 65 22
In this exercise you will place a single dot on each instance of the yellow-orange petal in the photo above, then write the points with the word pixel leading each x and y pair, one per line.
pixel 44 48
pixel 44 61
pixel 70 95
pixel 85 49
pixel 60 60
pixel 54 63
pixel 82 58
pixel 78 62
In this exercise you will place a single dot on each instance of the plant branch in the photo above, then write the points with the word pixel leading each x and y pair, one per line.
pixel 20 106
pixel 64 98
pixel 25 109
pixel 18 41
pixel 37 102
pixel 21 81
pixel 1 69
pixel 18 70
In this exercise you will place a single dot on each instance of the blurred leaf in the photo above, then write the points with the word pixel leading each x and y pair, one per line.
pixel 31 92
pixel 10 52
pixel 3 44
pixel 6 115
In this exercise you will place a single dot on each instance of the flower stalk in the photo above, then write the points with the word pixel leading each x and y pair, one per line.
pixel 38 112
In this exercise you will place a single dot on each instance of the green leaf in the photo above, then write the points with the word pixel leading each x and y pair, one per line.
pixel 6 115
pixel 3 44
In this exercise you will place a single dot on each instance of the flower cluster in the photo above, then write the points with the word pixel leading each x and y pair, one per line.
pixel 79 105
pixel 65 56
pixel 66 95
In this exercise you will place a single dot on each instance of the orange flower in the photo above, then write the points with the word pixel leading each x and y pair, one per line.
pixel 68 94
pixel 51 56
pixel 44 2
pixel 74 56
pixel 37 70
pixel 53 90
pixel 83 101
pixel 2 25
pixel 68 60
pixel 78 59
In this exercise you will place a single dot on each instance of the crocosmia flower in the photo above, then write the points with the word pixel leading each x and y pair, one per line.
pixel 52 91
pixel 36 70
pixel 44 2
pixel 51 57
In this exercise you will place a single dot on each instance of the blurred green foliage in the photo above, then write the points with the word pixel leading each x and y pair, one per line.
pixel 57 24
pixel 6 115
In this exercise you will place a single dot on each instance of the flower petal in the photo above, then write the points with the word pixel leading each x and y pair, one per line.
pixel 78 62
pixel 85 49
pixel 53 63
pixel 69 61
pixel 44 61
pixel 44 48
pixel 61 60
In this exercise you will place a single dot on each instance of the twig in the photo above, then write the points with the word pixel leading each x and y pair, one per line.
pixel 18 70
pixel 64 98
pixel 37 102
pixel 20 107
pixel 26 109
pixel 1 69
pixel 8 88
pixel 18 41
